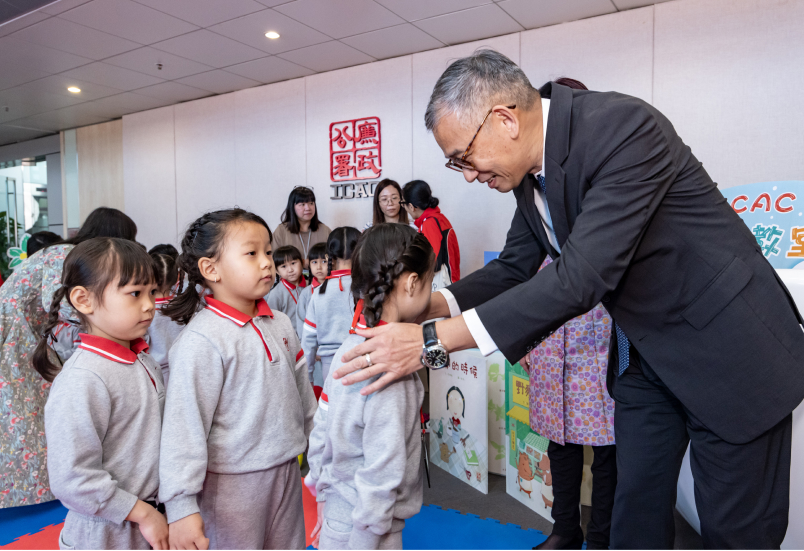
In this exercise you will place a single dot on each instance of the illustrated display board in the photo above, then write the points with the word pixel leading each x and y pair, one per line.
pixel 774 212
pixel 497 419
pixel 528 478
pixel 459 418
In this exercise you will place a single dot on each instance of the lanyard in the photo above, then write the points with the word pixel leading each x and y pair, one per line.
pixel 307 248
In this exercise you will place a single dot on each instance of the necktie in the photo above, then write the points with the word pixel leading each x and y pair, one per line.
pixel 542 185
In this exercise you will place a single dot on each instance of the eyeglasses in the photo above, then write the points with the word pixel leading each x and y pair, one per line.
pixel 462 164
pixel 389 201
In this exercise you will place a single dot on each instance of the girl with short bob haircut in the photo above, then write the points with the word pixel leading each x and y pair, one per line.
pixel 365 451
pixel 299 225
pixel 104 416
pixel 239 407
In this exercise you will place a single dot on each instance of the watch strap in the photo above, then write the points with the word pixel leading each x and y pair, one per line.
pixel 430 337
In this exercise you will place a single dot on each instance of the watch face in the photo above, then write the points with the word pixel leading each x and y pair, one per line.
pixel 436 357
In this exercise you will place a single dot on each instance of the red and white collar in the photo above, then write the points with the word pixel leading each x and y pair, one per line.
pixel 162 301
pixel 288 285
pixel 359 320
pixel 241 319
pixel 339 273
pixel 111 350
pixel 315 283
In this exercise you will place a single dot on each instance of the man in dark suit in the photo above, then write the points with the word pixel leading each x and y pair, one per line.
pixel 707 346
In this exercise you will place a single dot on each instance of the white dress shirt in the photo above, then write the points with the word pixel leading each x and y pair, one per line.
pixel 482 338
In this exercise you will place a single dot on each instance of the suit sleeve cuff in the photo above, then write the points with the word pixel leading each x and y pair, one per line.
pixel 454 309
pixel 180 507
pixel 363 539
pixel 482 338
pixel 117 508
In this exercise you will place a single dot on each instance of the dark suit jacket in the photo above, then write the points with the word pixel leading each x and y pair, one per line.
pixel 644 229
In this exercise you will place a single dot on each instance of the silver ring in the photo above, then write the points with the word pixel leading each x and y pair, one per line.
pixel 368 359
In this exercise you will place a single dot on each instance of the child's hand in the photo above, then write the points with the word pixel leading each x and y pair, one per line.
pixel 188 533
pixel 317 358
pixel 316 535
pixel 152 524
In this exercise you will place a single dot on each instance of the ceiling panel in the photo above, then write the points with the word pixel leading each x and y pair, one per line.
pixel 339 18
pixel 62 119
pixel 472 24
pixel 173 92
pixel 270 69
pixel 129 20
pixel 125 103
pixel 209 48
pixel 37 58
pixel 58 84
pixel 206 13
pixel 61 6
pixel 413 10
pixel 112 75
pixel 218 81
pixel 630 4
pixel 22 22
pixel 67 36
pixel 272 3
pixel 23 102
pixel 327 56
pixel 14 74
pixel 532 14
pixel 146 60
pixel 251 30
pixel 11 134
pixel 393 41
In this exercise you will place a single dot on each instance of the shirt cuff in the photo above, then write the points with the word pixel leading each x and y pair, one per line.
pixel 482 338
pixel 454 309
pixel 117 508
pixel 180 507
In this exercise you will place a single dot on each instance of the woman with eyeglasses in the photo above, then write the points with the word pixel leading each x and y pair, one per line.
pixel 300 226
pixel 388 205
pixel 418 200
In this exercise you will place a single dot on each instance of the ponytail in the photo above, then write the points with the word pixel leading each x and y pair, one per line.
pixel 340 244
pixel 329 273
pixel 41 356
pixel 419 194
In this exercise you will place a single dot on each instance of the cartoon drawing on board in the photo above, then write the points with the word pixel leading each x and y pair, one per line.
pixel 525 478
pixel 547 480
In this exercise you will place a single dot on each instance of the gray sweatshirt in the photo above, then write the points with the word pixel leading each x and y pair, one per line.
pixel 161 335
pixel 328 318
pixel 239 401
pixel 284 297
pixel 366 451
pixel 102 423
pixel 301 307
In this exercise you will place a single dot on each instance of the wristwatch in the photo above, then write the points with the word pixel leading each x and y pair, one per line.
pixel 434 355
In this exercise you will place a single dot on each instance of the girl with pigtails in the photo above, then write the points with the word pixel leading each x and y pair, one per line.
pixel 103 418
pixel 326 321
pixel 365 451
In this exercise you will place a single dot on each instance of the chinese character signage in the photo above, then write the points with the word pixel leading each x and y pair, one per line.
pixel 355 150
pixel 774 212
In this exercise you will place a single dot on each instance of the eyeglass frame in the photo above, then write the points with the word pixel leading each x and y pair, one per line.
pixel 456 165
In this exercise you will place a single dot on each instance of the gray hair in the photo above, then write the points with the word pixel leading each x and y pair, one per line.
pixel 472 85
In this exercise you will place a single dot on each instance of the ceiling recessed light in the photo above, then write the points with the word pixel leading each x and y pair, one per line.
pixel 273 35
pixel 74 89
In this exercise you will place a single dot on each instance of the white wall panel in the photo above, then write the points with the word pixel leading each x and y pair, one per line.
pixel 607 53
pixel 269 147
pixel 149 175
pixel 381 89
pixel 205 157
pixel 729 75
pixel 481 217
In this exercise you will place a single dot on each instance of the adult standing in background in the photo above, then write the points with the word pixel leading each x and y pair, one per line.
pixel 423 208
pixel 709 349
pixel 24 304
pixel 388 205
pixel 299 226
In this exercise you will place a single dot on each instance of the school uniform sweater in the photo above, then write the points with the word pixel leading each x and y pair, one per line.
pixel 304 301
pixel 103 421
pixel 328 318
pixel 365 453
pixel 285 297
pixel 161 335
pixel 239 401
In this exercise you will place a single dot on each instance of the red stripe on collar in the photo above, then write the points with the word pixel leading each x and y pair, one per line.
pixel 162 301
pixel 241 319
pixel 112 350
pixel 339 273
pixel 315 283
pixel 359 321
pixel 287 284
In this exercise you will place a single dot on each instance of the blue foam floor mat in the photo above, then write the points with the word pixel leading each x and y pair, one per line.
pixel 29 519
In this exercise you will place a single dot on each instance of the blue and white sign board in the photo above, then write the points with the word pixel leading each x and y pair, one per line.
pixel 774 212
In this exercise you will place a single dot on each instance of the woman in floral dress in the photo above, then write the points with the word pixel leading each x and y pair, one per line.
pixel 25 299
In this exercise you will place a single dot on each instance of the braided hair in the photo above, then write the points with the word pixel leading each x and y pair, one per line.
pixel 166 269
pixel 384 253
pixel 341 244
pixel 203 239
pixel 93 264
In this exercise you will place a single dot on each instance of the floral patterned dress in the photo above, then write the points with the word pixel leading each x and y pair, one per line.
pixel 568 397
pixel 25 299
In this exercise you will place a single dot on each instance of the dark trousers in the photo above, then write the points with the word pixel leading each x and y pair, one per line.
pixel 566 466
pixel 742 491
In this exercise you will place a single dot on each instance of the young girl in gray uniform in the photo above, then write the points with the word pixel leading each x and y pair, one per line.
pixel 104 415
pixel 317 259
pixel 163 330
pixel 285 294
pixel 365 451
pixel 330 310
pixel 239 408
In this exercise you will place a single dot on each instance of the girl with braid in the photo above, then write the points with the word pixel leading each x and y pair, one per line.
pixel 163 330
pixel 326 320
pixel 365 451
pixel 103 418
pixel 239 406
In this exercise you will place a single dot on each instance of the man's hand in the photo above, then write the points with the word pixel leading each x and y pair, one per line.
pixel 152 524
pixel 395 350
pixel 188 533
